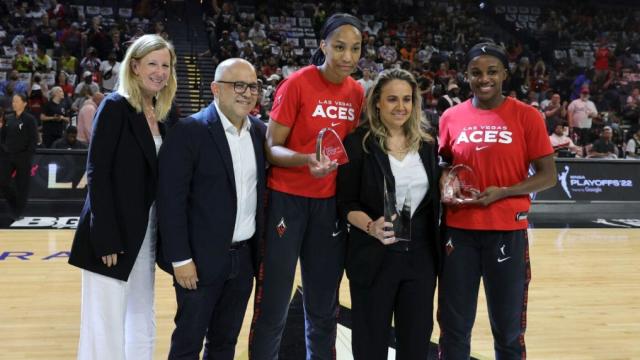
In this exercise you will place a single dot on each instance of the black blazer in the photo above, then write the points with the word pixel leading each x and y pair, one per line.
pixel 197 193
pixel 122 174
pixel 361 187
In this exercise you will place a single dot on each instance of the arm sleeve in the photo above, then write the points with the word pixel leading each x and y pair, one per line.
pixel 176 162
pixel 105 236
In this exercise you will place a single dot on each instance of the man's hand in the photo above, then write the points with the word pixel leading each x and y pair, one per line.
pixel 186 275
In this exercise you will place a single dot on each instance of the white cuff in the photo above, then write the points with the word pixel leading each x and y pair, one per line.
pixel 180 263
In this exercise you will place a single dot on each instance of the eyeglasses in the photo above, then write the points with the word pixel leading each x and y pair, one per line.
pixel 240 87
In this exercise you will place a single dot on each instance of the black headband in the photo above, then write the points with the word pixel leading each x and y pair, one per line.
pixel 488 49
pixel 333 23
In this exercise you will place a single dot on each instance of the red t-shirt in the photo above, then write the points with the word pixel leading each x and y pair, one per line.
pixel 306 103
pixel 498 145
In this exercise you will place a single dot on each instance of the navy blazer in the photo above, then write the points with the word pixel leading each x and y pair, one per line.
pixel 197 193
pixel 122 174
pixel 360 187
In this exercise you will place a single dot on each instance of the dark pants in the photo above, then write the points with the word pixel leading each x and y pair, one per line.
pixel 213 312
pixel 402 291
pixel 306 228
pixel 501 259
pixel 16 196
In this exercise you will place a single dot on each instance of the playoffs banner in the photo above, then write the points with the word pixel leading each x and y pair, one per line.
pixel 594 180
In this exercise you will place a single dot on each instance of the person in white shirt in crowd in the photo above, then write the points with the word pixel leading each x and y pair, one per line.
pixel 581 113
pixel 633 146
pixel 367 80
pixel 109 69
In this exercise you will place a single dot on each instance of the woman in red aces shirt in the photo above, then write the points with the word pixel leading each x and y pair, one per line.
pixel 498 137
pixel 302 220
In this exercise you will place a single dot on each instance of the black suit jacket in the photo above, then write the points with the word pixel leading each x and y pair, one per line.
pixel 197 193
pixel 122 174
pixel 361 187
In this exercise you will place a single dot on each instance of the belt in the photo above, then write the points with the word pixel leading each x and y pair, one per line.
pixel 238 245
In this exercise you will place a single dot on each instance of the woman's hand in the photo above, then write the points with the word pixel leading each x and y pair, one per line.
pixel 379 230
pixel 320 168
pixel 110 260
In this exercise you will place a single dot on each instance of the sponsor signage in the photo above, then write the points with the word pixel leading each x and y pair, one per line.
pixel 593 180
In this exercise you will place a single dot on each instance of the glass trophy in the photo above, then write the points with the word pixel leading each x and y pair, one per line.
pixel 329 144
pixel 401 219
pixel 461 183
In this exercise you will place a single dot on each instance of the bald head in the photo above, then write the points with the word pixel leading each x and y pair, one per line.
pixel 230 66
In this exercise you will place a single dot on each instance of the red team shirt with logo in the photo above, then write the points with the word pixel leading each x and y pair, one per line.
pixel 498 144
pixel 306 103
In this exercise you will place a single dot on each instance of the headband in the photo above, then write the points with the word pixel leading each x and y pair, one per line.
pixel 333 23
pixel 488 49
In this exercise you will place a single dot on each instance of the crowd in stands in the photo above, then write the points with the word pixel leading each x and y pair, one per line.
pixel 577 64
pixel 65 58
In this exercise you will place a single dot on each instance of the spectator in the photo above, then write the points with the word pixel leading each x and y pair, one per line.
pixel 43 62
pixel 367 80
pixel 22 61
pixel 85 117
pixel 13 85
pixel 54 117
pixel 554 112
pixel 90 62
pixel 562 144
pixel 62 80
pixel 87 82
pixel 603 148
pixel 387 52
pixel 289 68
pixel 450 98
pixel 581 113
pixel 633 145
pixel 257 34
pixel 109 70
pixel 70 140
pixel 68 63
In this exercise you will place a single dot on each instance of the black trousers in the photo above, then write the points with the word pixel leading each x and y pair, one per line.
pixel 403 290
pixel 501 259
pixel 213 312
pixel 15 195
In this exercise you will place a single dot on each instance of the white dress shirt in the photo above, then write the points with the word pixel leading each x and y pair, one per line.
pixel 245 173
pixel 411 178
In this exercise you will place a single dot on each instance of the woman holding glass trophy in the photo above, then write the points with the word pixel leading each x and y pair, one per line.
pixel 389 194
pixel 313 110
pixel 487 144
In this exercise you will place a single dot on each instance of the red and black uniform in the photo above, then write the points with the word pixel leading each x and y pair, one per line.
pixel 488 242
pixel 302 220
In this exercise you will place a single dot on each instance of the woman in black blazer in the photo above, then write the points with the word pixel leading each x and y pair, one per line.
pixel 389 278
pixel 18 141
pixel 115 243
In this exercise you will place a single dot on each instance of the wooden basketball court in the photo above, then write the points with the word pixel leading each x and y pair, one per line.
pixel 584 298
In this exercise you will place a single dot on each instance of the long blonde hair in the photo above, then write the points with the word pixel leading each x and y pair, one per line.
pixel 129 84
pixel 412 128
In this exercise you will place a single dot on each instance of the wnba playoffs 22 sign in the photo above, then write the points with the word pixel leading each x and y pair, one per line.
pixel 595 181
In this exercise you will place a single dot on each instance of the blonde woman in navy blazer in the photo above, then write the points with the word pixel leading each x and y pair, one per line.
pixel 390 279
pixel 115 243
